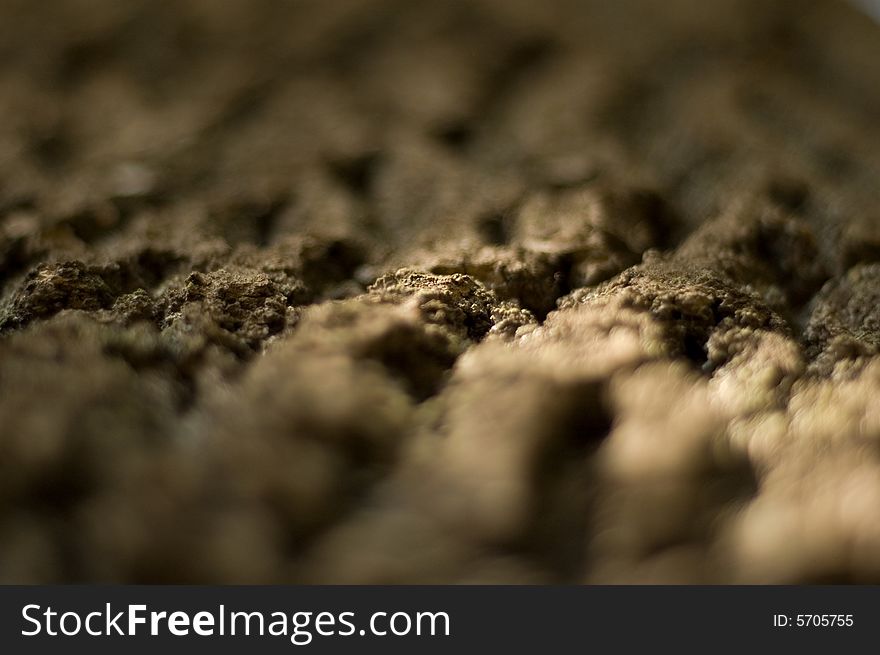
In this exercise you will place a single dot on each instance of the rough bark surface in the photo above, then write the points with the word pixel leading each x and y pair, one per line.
pixel 463 291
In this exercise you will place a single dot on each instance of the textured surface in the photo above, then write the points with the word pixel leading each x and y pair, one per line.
pixel 394 291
